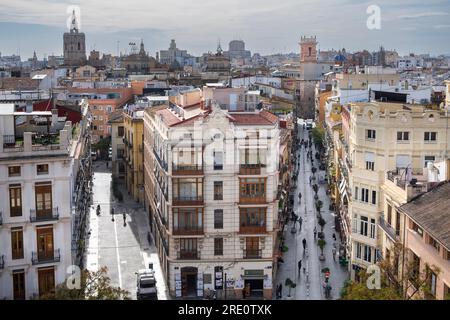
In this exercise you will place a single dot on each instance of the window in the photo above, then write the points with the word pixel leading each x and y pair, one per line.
pixel 45 249
pixel 252 247
pixel 358 250
pixel 100 128
pixel 367 254
pixel 389 214
pixel 374 197
pixel 252 220
pixel 428 159
pixel 187 189
pixel 218 246
pixel 402 136
pixel 14 171
pixel 15 200
pixel 218 219
pixel 17 243
pixel 253 188
pixel 188 248
pixel 446 292
pixel 218 160
pixel 364 195
pixel 430 136
pixel 46 280
pixel 120 131
pixel 417 229
pixel 370 165
pixel 363 226
pixel 356 193
pixel 373 227
pixel 432 279
pixel 18 284
pixel 43 198
pixel 187 220
pixel 218 190
pixel 42 169
pixel 370 134
pixel 434 243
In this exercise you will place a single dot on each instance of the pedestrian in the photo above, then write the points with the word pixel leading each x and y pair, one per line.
pixel 315 232
pixel 304 243
pixel 299 266
pixel 334 237
pixel 310 178
pixel 281 291
pixel 107 164
pixel 334 253
pixel 124 219
pixel 112 214
pixel 300 221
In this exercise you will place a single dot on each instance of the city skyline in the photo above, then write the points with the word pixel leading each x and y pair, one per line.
pixel 39 26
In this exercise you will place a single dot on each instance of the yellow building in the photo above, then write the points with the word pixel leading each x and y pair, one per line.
pixel 134 151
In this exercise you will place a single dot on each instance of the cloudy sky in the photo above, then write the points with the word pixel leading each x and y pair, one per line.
pixel 267 26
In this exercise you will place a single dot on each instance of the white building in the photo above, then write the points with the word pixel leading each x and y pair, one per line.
pixel 44 176
pixel 211 184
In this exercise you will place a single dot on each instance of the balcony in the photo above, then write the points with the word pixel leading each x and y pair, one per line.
pixel 188 255
pixel 188 201
pixel 187 170
pixel 386 227
pixel 163 164
pixel 250 169
pixel 44 215
pixel 252 199
pixel 2 262
pixel 252 254
pixel 187 231
pixel 252 229
pixel 45 257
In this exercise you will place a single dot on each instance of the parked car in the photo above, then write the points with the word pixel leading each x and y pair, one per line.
pixel 146 284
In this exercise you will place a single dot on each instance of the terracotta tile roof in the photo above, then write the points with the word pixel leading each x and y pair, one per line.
pixel 431 211
pixel 262 118
pixel 18 84
pixel 269 116
pixel 168 117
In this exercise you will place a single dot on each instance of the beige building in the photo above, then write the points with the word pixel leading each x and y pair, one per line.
pixel 361 81
pixel 382 138
pixel 213 213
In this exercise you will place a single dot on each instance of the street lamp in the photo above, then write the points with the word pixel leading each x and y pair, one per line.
pixel 225 286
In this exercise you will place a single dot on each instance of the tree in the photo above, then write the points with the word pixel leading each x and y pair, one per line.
pixel 321 222
pixel 321 243
pixel 291 284
pixel 319 205
pixel 318 135
pixel 93 286
pixel 400 279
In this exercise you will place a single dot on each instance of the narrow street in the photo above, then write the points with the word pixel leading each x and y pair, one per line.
pixel 310 279
pixel 122 247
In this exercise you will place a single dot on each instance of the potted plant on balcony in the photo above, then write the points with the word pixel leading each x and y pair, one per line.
pixel 321 243
pixel 291 284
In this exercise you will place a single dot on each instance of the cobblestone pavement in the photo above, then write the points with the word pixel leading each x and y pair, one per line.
pixel 309 281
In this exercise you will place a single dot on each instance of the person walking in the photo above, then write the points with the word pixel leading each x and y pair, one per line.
pixel 299 266
pixel 280 292
pixel 315 232
pixel 112 214
pixel 334 237
pixel 304 243
pixel 124 219
pixel 300 221
pixel 334 253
